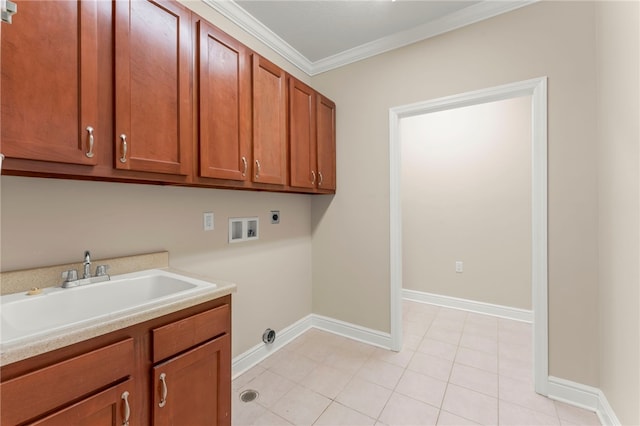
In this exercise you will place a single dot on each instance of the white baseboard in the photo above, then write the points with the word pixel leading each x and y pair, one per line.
pixel 253 356
pixel 583 396
pixel 469 305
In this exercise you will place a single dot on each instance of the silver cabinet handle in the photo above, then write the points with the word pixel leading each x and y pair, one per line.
pixel 123 138
pixel 320 178
pixel 89 153
pixel 127 410
pixel 244 167
pixel 257 169
pixel 163 397
pixel 313 177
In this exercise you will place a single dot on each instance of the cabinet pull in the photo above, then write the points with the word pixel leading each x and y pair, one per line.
pixel 244 167
pixel 163 397
pixel 123 138
pixel 257 169
pixel 313 177
pixel 89 153
pixel 127 410
pixel 320 178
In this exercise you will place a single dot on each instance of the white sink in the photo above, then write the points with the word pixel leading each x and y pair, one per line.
pixel 25 317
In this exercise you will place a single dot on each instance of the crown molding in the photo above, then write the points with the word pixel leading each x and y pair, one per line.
pixel 467 16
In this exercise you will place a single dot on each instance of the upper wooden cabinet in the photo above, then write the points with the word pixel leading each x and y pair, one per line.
pixel 50 82
pixel 153 125
pixel 312 143
pixel 224 104
pixel 302 135
pixel 326 143
pixel 269 122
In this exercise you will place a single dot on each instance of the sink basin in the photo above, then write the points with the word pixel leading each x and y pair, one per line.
pixel 56 309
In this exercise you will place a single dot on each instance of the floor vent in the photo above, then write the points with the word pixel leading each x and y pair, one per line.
pixel 248 395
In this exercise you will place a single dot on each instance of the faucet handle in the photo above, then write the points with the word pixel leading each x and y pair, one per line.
pixel 70 275
pixel 102 270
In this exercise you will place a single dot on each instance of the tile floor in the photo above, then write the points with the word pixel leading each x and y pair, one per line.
pixel 456 368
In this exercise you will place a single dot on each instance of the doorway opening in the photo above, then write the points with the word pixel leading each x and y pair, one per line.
pixel 536 89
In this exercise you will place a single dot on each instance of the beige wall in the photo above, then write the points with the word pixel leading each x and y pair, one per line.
pixel 47 222
pixel 618 47
pixel 466 196
pixel 351 231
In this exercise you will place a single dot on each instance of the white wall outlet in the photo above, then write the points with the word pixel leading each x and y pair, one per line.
pixel 208 223
pixel 459 266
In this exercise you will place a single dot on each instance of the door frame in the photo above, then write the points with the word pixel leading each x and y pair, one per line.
pixel 537 89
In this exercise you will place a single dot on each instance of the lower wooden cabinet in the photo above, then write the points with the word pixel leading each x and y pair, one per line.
pixel 172 370
pixel 192 388
pixel 109 407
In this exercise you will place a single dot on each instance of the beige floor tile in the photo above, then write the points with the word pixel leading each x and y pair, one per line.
pixel 515 415
pixel 364 397
pixel 346 360
pixel 430 365
pixel 576 415
pixel 402 410
pixel 421 387
pixel 411 341
pixel 401 359
pixel 447 419
pixel 479 343
pixel 316 350
pixel 477 359
pixel 438 348
pixel 294 366
pixel 380 373
pixel 301 406
pixel 489 331
pixel 326 380
pixel 521 393
pixel 415 327
pixel 270 387
pixel 516 368
pixel 247 377
pixel 471 405
pixel 271 419
pixel 475 379
pixel 339 415
pixel 245 413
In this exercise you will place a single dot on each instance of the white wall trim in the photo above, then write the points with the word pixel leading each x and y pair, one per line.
pixel 583 396
pixel 537 89
pixel 501 311
pixel 469 15
pixel 258 353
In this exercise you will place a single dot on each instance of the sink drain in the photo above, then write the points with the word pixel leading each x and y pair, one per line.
pixel 248 395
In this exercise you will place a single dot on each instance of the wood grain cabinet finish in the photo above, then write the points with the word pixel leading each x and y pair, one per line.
pixel 269 122
pixel 193 388
pixel 224 104
pixel 311 139
pixel 326 143
pixel 152 86
pixel 50 82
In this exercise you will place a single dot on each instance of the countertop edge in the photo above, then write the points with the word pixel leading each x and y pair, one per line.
pixel 23 350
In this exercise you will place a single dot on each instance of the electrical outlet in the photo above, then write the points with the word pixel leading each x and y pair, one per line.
pixel 275 216
pixel 459 266
pixel 208 221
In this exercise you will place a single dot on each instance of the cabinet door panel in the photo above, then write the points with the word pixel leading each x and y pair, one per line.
pixel 106 408
pixel 152 72
pixel 269 123
pixel 326 143
pixel 224 105
pixel 302 135
pixel 197 386
pixel 50 82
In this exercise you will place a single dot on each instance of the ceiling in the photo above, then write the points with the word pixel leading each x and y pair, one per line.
pixel 320 35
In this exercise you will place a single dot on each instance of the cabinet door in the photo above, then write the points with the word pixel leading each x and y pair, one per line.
pixel 109 407
pixel 224 80
pixel 50 82
pixel 194 388
pixel 152 86
pixel 302 135
pixel 326 130
pixel 269 123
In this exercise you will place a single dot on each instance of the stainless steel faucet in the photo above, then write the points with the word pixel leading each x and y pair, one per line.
pixel 87 265
pixel 71 279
